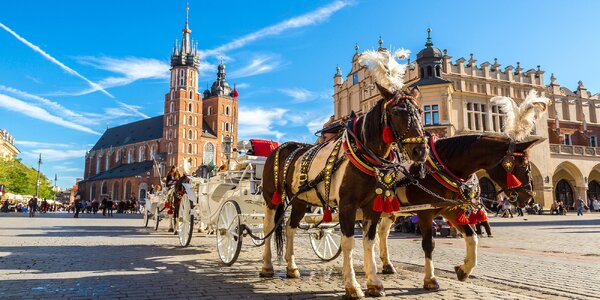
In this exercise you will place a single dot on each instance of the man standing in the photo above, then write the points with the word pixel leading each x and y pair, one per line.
pixel 579 204
pixel 32 205
pixel 77 206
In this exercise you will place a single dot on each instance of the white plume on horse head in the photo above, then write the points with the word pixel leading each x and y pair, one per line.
pixel 520 119
pixel 388 73
pixel 187 167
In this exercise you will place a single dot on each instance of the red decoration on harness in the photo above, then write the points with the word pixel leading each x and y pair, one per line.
pixel 461 219
pixel 276 199
pixel 473 218
pixel 170 211
pixel 512 181
pixel 327 215
pixel 387 205
pixel 378 204
pixel 482 215
pixel 388 135
pixel 167 204
pixel 395 204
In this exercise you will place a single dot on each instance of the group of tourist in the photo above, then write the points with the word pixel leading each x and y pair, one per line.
pixel 561 208
pixel 106 205
pixel 32 206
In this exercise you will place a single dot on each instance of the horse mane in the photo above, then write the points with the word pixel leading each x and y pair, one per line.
pixel 373 117
pixel 520 119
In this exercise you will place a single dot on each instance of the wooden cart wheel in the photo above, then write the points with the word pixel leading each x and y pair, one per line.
pixel 326 243
pixel 185 221
pixel 156 218
pixel 146 217
pixel 261 234
pixel 229 235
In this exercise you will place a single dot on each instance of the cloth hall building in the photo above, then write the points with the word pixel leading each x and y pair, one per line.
pixel 456 100
pixel 193 127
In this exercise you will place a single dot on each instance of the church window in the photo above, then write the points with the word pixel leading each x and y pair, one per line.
pixel 227 125
pixel 191 95
pixel 118 155
pixel 190 135
pixel 431 114
pixel 438 71
pixel 190 148
pixel 476 117
pixel 209 111
pixel 142 154
pixel 181 77
pixel 130 156
pixel 171 107
pixel 227 111
pixel 190 122
pixel 170 148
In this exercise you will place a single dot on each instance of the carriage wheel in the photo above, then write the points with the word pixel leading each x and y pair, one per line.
pixel 146 217
pixel 156 218
pixel 185 221
pixel 259 242
pixel 229 235
pixel 326 243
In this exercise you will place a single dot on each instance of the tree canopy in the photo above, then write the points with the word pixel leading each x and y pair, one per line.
pixel 21 179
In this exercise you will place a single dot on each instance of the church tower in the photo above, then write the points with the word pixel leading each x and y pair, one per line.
pixel 220 107
pixel 183 106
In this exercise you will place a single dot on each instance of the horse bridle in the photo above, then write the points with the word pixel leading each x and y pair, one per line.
pixel 525 188
pixel 413 110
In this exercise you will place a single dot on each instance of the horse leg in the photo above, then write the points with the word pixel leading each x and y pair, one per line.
pixel 347 219
pixel 427 243
pixel 463 271
pixel 268 225
pixel 298 210
pixel 374 284
pixel 383 232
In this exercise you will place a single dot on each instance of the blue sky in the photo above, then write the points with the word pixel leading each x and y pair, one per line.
pixel 69 69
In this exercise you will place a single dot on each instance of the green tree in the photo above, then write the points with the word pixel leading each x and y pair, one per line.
pixel 21 179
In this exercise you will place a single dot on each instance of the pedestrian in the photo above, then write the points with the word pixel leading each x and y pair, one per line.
pixel 77 206
pixel 506 208
pixel 110 207
pixel 596 205
pixel 104 206
pixel 498 205
pixel 519 211
pixel 32 205
pixel 579 205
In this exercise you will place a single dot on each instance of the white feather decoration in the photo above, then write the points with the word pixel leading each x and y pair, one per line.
pixel 187 168
pixel 388 73
pixel 402 53
pixel 520 119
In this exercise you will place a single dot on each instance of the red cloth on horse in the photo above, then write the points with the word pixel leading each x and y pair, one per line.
pixel 263 147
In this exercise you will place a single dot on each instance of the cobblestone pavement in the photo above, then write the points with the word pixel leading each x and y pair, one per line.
pixel 57 256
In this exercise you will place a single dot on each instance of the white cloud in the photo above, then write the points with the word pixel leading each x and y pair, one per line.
pixel 258 122
pixel 243 85
pixel 260 64
pixel 317 123
pixel 67 169
pixel 55 155
pixel 54 60
pixel 40 144
pixel 300 95
pixel 39 113
pixel 314 17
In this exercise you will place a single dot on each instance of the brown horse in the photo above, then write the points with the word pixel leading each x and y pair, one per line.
pixel 462 156
pixel 350 188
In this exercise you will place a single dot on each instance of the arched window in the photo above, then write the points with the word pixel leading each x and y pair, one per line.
pixel 191 95
pixel 115 193
pixel 564 193
pixel 170 148
pixel 209 111
pixel 107 162
pixel 190 107
pixel 429 71
pixel 227 111
pixel 190 122
pixel 438 71
pixel 227 127
pixel 190 135
pixel 209 153
pixel 190 148
pixel 172 107
pixel 127 190
pixel 181 77
pixel 130 156
pixel 142 154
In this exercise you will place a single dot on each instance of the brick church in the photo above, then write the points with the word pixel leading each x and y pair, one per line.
pixel 193 127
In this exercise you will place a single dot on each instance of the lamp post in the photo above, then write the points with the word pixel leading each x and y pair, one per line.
pixel 37 183
pixel 227 141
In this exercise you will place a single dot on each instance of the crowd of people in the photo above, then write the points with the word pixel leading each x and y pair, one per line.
pixel 107 206
pixel 32 206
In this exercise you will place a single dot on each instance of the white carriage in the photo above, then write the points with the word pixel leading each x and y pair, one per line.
pixel 231 205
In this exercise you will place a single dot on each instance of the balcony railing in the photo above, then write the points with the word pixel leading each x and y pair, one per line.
pixel 574 150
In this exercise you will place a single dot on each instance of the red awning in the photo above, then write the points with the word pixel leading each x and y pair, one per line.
pixel 263 147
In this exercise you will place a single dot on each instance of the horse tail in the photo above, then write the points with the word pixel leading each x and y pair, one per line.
pixel 279 238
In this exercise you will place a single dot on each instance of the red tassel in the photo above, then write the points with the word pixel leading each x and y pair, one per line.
pixel 388 135
pixel 473 218
pixel 378 204
pixel 482 215
pixel 461 219
pixel 276 199
pixel 512 181
pixel 167 204
pixel 395 204
pixel 327 215
pixel 387 205
pixel 170 212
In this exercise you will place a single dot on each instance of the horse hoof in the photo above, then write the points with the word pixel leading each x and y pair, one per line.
pixel 353 293
pixel 293 273
pixel 266 273
pixel 375 291
pixel 460 274
pixel 431 285
pixel 388 269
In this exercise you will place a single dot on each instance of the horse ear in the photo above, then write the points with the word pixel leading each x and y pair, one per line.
pixel 387 95
pixel 415 92
pixel 527 144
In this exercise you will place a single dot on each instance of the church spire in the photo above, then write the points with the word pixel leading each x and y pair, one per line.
pixel 185 43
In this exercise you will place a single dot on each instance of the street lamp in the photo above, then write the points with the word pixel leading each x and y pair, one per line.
pixel 227 141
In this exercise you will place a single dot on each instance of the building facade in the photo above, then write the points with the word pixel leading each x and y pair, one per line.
pixel 8 150
pixel 455 95
pixel 128 159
